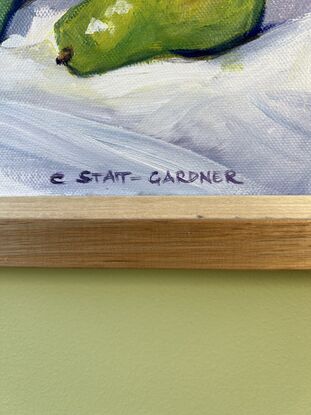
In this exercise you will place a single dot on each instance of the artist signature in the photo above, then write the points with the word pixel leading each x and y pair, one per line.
pixel 154 178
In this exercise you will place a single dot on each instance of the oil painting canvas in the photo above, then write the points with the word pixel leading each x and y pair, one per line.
pixel 155 97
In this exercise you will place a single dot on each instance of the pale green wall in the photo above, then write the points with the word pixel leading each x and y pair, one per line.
pixel 154 343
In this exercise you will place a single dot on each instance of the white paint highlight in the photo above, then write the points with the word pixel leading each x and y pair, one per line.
pixel 96 26
pixel 120 7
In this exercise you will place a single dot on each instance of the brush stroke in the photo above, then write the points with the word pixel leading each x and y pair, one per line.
pixel 7 10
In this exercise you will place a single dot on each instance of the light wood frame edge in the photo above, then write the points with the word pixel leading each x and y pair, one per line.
pixel 236 232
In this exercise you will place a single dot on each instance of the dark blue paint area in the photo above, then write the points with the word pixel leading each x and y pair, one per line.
pixel 8 12
pixel 270 26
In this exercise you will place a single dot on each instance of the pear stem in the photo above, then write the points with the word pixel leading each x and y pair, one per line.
pixel 64 56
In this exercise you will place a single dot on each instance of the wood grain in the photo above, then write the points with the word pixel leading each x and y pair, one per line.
pixel 157 232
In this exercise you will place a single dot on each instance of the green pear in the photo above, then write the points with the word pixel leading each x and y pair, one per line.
pixel 97 36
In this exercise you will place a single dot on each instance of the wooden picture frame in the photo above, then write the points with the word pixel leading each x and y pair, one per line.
pixel 247 232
